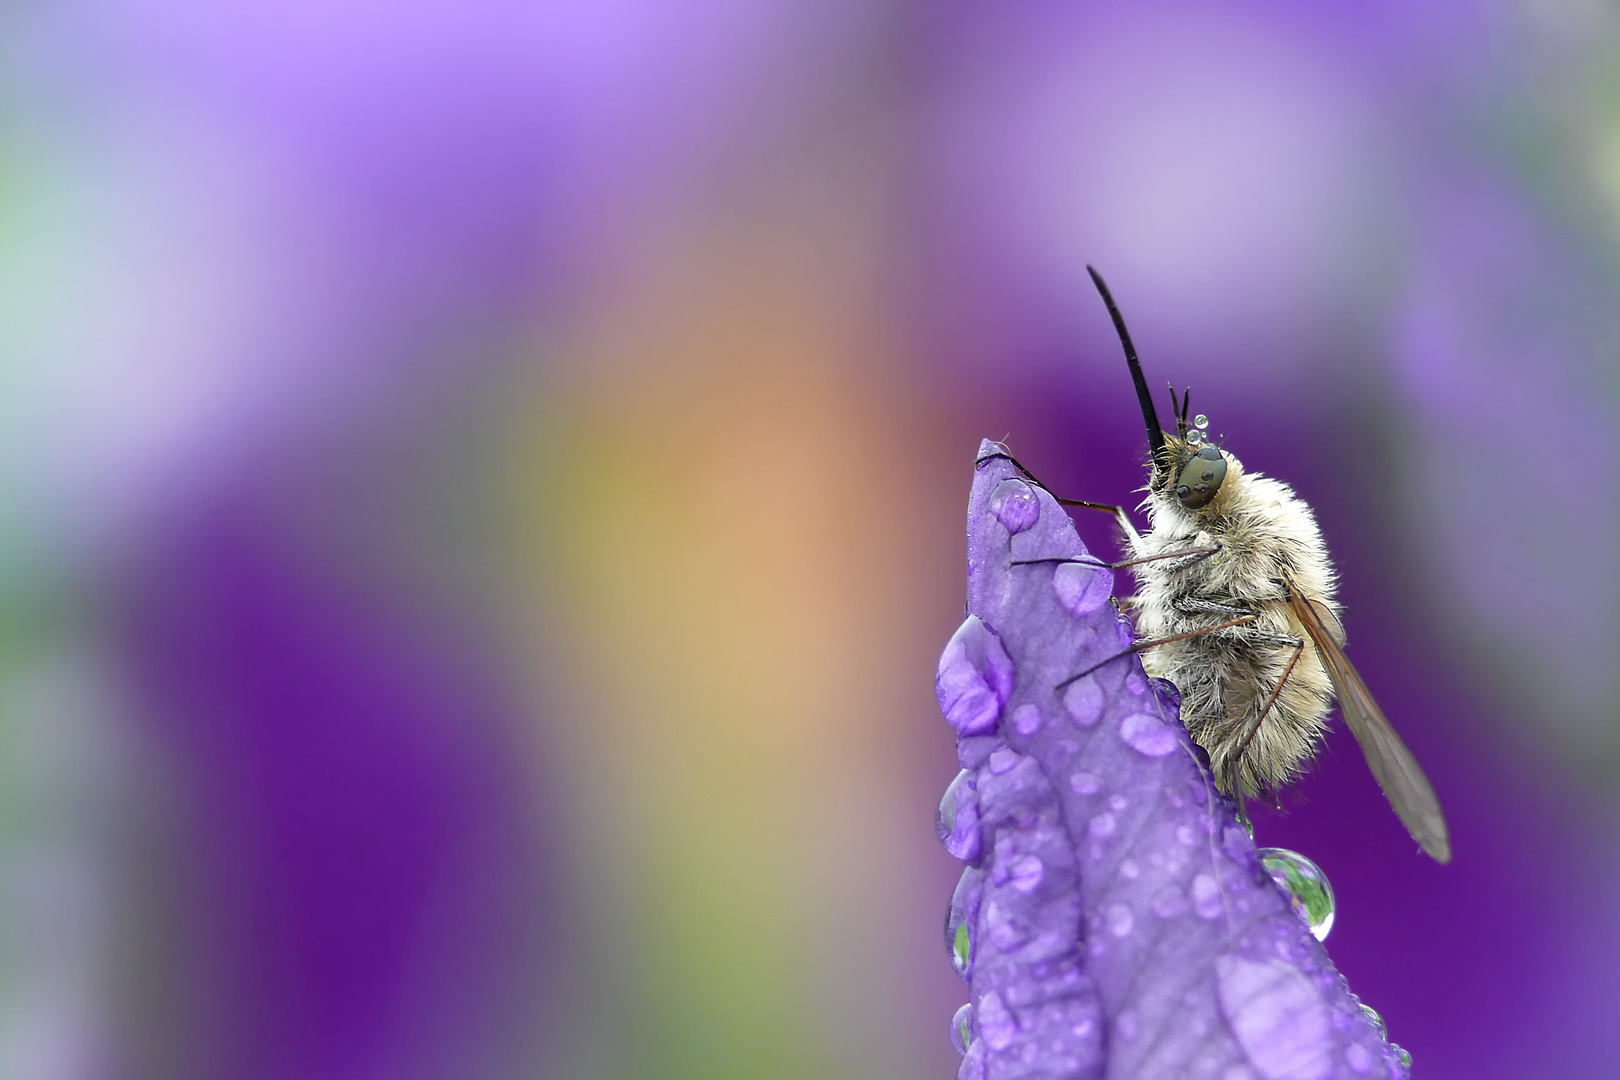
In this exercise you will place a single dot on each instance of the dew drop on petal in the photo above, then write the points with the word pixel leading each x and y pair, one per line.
pixel 1082 588
pixel 996 1024
pixel 1025 872
pixel 975 678
pixel 1015 505
pixel 1377 1021
pixel 1277 1016
pixel 1306 887
pixel 1148 734
pixel 960 919
pixel 1026 719
pixel 958 822
pixel 1166 692
pixel 962 1029
pixel 1402 1056
pixel 1003 761
pixel 1084 701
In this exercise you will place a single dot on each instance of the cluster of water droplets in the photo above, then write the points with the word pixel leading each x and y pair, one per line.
pixel 1199 431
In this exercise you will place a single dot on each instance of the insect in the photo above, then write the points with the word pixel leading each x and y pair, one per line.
pixel 1235 606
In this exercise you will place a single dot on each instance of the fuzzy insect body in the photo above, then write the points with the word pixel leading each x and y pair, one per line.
pixel 1265 537
pixel 1235 606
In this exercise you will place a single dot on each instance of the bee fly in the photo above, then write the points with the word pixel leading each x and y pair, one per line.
pixel 1235 606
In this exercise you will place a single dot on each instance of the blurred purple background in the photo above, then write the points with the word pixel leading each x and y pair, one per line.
pixel 483 491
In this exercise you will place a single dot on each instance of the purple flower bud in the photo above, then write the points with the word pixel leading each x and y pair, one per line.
pixel 1116 919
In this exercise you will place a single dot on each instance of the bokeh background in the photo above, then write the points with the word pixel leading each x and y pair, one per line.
pixel 482 492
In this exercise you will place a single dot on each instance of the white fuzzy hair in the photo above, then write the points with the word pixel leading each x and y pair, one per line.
pixel 1267 535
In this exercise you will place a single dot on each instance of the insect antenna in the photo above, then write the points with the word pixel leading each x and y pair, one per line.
pixel 1149 416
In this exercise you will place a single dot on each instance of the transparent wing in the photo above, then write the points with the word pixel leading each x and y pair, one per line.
pixel 1392 764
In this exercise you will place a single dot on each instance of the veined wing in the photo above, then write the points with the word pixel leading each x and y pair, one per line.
pixel 1392 764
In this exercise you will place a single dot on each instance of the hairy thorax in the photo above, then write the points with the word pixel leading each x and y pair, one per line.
pixel 1262 539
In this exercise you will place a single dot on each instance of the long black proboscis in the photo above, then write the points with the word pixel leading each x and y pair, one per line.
pixel 1149 416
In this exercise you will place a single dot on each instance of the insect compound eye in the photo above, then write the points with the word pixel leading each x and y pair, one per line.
pixel 1201 478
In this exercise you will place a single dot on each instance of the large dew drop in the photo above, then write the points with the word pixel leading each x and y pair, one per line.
pixel 1305 885
pixel 960 920
pixel 1015 505
pixel 957 821
pixel 975 678
pixel 1277 1016
pixel 1148 734
pixel 962 1029
pixel 1082 588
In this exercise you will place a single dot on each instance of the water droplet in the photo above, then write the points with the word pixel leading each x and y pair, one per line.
pixel 1200 421
pixel 1003 761
pixel 1084 701
pixel 1015 505
pixel 1168 695
pixel 1377 1021
pixel 1402 1056
pixel 1148 734
pixel 1120 920
pixel 1101 825
pixel 1026 719
pixel 1305 885
pixel 1277 1016
pixel 1358 1057
pixel 1082 588
pixel 996 1024
pixel 975 678
pixel 958 819
pixel 1206 897
pixel 1084 783
pixel 960 918
pixel 1195 437
pixel 962 1029
pixel 1024 872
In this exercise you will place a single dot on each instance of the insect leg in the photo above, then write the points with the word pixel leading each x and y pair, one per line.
pixel 1143 646
pixel 1197 605
pixel 1299 650
pixel 1195 555
pixel 1118 511
pixel 1119 515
